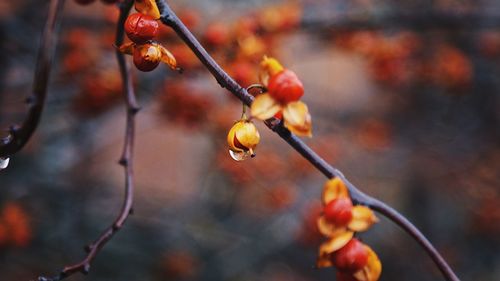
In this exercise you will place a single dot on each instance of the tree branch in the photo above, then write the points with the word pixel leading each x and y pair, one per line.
pixel 125 160
pixel 20 135
pixel 169 18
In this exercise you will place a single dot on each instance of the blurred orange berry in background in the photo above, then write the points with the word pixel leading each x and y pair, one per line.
pixel 15 226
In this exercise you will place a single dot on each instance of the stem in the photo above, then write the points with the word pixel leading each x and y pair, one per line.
pixel 20 135
pixel 125 160
pixel 169 18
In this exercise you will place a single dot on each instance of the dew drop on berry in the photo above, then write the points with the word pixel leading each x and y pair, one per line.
pixel 4 163
pixel 240 156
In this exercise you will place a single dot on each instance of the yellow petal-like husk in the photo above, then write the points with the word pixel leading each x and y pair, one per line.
pixel 324 261
pixel 297 118
pixel 362 218
pixel 243 136
pixel 147 7
pixel 248 135
pixel 271 66
pixel 264 107
pixel 295 113
pixel 333 189
pixel 304 130
pixel 127 48
pixel 168 58
pixel 328 229
pixel 335 243
pixel 373 268
pixel 230 138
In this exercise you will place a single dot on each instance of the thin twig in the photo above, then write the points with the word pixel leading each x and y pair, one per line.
pixel 20 135
pixel 125 160
pixel 169 18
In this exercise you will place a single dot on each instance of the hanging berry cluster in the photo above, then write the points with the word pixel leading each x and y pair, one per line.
pixel 340 220
pixel 242 139
pixel 282 90
pixel 142 29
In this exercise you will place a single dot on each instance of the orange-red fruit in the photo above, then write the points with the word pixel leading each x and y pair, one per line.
pixel 352 257
pixel 84 2
pixel 217 34
pixel 338 211
pixel 146 57
pixel 141 28
pixel 285 87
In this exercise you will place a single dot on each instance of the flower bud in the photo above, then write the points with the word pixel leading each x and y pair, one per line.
pixel 352 257
pixel 147 57
pixel 243 137
pixel 338 211
pixel 141 28
pixel 285 87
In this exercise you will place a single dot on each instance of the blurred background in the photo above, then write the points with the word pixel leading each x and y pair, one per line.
pixel 405 99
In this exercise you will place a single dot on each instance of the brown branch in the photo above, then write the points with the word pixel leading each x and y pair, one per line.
pixel 20 135
pixel 169 18
pixel 125 160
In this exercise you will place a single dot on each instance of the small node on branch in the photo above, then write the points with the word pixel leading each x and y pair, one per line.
pixel 88 248
pixel 31 100
pixel 123 162
pixel 13 129
pixel 86 268
pixel 134 110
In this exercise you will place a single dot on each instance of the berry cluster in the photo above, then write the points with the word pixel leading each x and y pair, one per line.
pixel 282 99
pixel 142 29
pixel 354 260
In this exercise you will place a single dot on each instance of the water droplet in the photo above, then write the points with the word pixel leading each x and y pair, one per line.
pixel 240 156
pixel 4 163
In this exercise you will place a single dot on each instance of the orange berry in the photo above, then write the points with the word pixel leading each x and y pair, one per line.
pixel 141 28
pixel 285 87
pixel 338 211
pixel 217 34
pixel 352 257
pixel 147 57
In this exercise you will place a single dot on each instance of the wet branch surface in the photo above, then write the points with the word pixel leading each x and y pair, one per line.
pixel 169 18
pixel 125 160
pixel 19 135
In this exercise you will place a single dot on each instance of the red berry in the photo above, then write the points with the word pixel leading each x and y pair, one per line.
pixel 285 87
pixel 338 211
pixel 84 2
pixel 352 257
pixel 147 57
pixel 141 28
pixel 217 34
